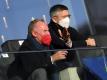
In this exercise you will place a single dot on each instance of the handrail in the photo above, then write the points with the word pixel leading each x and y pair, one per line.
pixel 40 51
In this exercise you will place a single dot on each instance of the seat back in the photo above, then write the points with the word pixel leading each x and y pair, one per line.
pixel 10 46
pixel 7 58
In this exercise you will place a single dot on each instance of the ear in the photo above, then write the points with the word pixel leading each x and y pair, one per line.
pixel 54 18
pixel 34 34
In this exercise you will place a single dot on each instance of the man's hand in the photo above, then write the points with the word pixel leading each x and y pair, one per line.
pixel 59 55
pixel 90 42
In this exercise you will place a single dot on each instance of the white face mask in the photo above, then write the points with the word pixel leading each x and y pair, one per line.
pixel 65 22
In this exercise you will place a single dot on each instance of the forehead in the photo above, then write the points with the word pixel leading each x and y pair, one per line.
pixel 63 12
pixel 40 25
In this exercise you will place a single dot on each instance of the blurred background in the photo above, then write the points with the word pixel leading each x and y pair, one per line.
pixel 87 16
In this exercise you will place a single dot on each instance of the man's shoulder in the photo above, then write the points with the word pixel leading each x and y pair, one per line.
pixel 72 29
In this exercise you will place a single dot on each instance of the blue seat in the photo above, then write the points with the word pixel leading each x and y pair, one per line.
pixel 96 66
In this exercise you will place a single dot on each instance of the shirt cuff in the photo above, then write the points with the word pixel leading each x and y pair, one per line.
pixel 52 60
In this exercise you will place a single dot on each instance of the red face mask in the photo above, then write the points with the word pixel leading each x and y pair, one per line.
pixel 46 40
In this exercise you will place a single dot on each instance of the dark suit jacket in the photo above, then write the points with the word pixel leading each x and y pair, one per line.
pixel 77 39
pixel 57 43
pixel 26 63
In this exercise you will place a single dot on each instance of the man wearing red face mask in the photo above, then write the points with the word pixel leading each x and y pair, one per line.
pixel 32 66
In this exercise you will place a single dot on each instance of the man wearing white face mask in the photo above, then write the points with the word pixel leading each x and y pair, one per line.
pixel 65 22
pixel 64 36
pixel 60 29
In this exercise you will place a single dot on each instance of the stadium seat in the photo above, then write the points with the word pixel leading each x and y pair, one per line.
pixel 7 58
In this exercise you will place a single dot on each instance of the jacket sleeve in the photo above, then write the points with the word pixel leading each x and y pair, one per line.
pixel 56 42
pixel 77 39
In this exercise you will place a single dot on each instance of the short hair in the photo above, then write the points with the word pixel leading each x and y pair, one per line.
pixel 56 8
pixel 31 25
